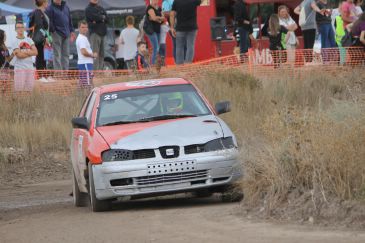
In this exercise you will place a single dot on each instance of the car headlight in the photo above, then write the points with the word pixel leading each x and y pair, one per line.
pixel 117 155
pixel 125 154
pixel 219 144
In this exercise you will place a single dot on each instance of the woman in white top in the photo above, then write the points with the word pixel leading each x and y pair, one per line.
pixel 291 26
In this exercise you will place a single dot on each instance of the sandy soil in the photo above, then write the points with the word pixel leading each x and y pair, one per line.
pixel 44 213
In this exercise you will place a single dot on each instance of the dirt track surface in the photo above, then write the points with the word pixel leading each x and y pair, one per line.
pixel 44 213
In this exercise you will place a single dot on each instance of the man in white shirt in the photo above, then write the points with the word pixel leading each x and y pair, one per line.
pixel 23 51
pixel 129 38
pixel 85 56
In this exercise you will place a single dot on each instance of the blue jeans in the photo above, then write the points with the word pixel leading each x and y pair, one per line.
pixel 243 39
pixel 327 36
pixel 327 40
pixel 155 41
pixel 185 38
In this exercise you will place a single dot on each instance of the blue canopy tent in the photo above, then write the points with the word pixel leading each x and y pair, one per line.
pixel 6 10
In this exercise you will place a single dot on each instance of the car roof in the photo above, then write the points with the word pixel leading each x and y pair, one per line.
pixel 141 84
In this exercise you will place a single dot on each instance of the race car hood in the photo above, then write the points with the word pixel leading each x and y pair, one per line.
pixel 180 132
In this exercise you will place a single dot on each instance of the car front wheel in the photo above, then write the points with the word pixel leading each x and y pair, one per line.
pixel 80 198
pixel 96 204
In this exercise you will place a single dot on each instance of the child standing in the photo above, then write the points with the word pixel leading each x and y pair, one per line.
pixel 85 56
pixel 23 51
pixel 141 59
pixel 4 62
pixel 276 33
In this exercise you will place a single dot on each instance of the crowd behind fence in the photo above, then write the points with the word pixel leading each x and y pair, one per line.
pixel 259 63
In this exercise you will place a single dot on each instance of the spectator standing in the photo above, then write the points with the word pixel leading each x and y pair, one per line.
pixel 97 19
pixel 307 22
pixel 163 33
pixel 242 20
pixel 186 30
pixel 339 34
pixel 291 42
pixel 119 49
pixel 348 12
pixel 4 62
pixel 39 23
pixel 62 31
pixel 129 38
pixel 85 56
pixel 276 33
pixel 335 13
pixel 324 22
pixel 166 9
pixel 4 52
pixel 23 50
pixel 154 14
pixel 358 30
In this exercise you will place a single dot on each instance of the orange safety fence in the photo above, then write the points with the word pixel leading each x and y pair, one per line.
pixel 264 64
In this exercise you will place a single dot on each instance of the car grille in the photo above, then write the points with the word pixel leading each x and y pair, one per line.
pixel 144 154
pixel 173 177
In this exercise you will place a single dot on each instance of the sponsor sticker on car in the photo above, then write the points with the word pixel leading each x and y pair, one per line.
pixel 146 83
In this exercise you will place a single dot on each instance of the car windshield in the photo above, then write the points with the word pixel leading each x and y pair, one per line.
pixel 150 104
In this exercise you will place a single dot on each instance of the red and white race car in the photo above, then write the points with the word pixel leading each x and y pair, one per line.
pixel 151 137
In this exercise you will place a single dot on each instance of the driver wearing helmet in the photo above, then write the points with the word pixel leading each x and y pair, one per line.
pixel 172 103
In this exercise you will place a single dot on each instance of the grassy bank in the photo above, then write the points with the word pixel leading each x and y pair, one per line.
pixel 302 140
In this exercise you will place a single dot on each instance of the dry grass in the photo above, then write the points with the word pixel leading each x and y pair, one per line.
pixel 40 122
pixel 303 135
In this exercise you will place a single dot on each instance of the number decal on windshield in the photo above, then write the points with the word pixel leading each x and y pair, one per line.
pixel 111 97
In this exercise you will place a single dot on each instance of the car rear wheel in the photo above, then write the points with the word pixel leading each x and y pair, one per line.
pixel 80 199
pixel 96 204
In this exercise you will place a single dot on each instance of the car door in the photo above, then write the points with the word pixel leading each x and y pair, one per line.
pixel 74 137
pixel 81 140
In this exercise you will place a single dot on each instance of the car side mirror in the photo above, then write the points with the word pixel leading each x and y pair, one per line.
pixel 80 122
pixel 223 107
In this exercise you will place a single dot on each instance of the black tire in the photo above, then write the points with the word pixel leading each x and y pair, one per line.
pixel 233 193
pixel 80 199
pixel 96 204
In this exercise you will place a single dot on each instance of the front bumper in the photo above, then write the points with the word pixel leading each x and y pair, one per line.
pixel 159 176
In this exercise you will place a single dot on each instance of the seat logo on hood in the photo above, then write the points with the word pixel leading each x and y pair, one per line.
pixel 170 152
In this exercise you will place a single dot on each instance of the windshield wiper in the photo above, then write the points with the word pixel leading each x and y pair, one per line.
pixel 165 117
pixel 118 123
